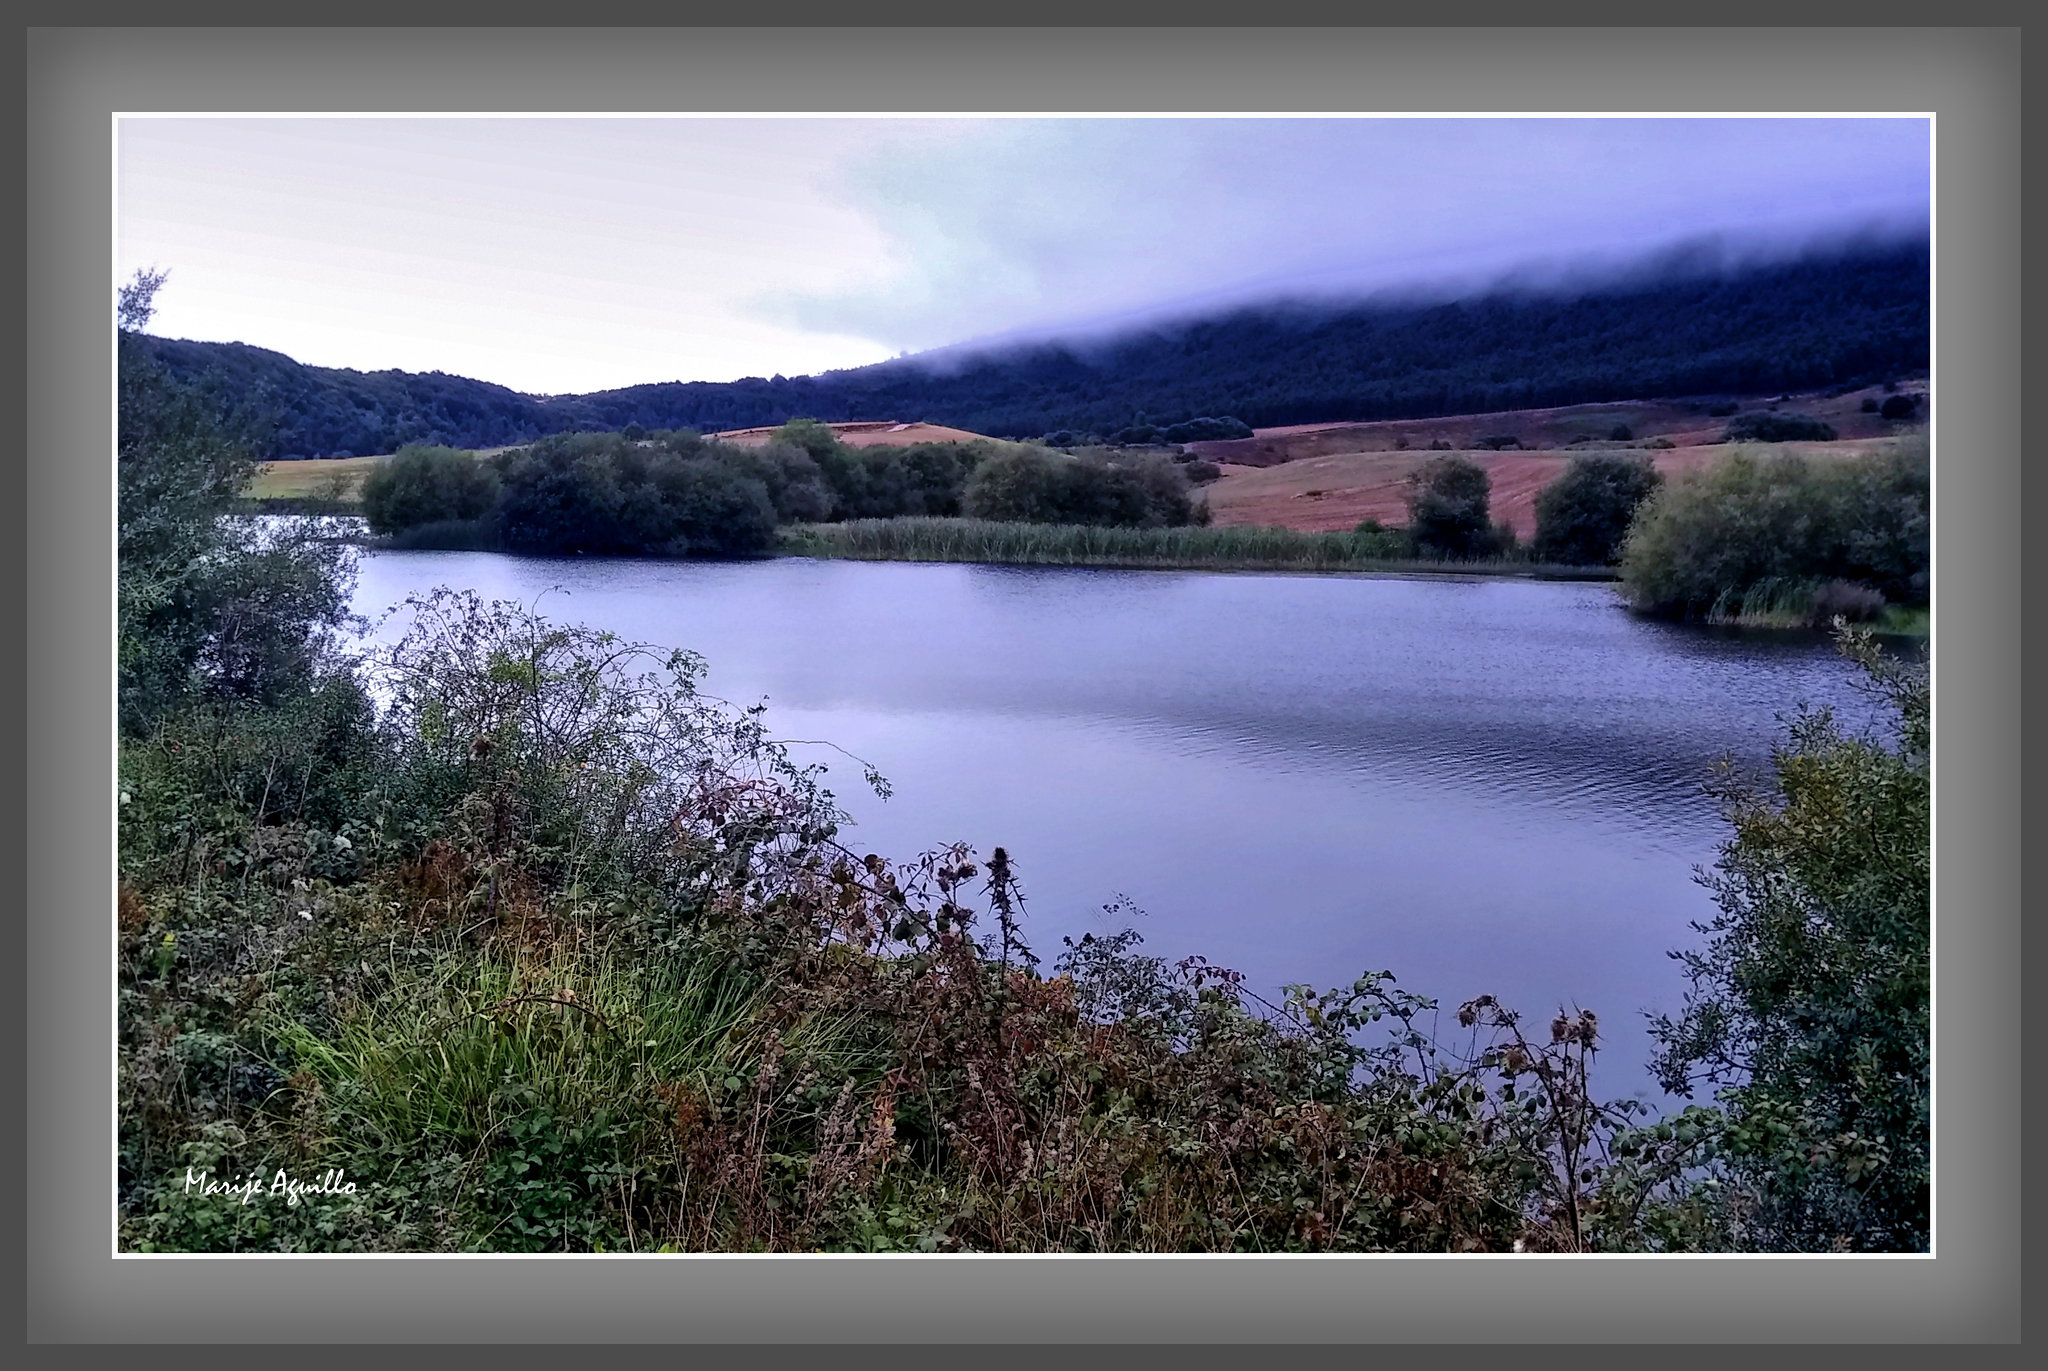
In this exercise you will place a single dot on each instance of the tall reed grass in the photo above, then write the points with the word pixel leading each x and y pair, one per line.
pixel 1192 547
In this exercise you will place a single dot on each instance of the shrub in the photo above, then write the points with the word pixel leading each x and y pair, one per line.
pixel 1621 433
pixel 1723 410
pixel 425 485
pixel 1870 405
pixel 1898 407
pixel 1439 445
pixel 1583 516
pixel 1705 540
pixel 1200 472
pixel 1447 509
pixel 1661 443
pixel 1809 1006
pixel 1497 441
pixel 1777 428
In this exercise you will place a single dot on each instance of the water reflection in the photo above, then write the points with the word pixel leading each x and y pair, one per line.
pixel 1480 785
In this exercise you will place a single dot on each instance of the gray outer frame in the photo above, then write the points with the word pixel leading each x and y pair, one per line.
pixel 1968 1292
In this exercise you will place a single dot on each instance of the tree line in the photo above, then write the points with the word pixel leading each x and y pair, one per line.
pixel 678 494
pixel 1839 321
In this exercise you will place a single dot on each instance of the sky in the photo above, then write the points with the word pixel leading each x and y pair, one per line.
pixel 561 256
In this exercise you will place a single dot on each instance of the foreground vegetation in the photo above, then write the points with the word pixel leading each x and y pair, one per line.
pixel 550 953
pixel 542 950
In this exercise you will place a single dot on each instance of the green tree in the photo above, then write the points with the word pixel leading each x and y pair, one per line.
pixel 1808 1011
pixel 210 603
pixel 1583 516
pixel 424 485
pixel 1447 509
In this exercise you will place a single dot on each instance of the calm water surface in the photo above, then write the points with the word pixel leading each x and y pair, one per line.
pixel 1482 786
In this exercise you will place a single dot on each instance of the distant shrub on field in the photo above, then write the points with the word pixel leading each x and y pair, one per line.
pixel 1898 407
pixel 1583 516
pixel 426 485
pixel 1777 428
pixel 1497 441
pixel 1705 542
pixel 1200 472
pixel 1447 510
pixel 1621 433
pixel 1722 410
pixel 1869 405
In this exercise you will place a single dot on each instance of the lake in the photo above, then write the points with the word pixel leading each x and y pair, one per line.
pixel 1483 786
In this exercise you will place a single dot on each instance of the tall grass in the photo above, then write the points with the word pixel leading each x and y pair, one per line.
pixel 1248 549
pixel 1796 602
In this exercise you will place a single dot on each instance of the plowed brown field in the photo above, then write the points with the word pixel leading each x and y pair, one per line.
pixel 1336 491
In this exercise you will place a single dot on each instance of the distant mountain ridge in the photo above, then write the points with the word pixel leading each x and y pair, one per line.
pixel 1849 318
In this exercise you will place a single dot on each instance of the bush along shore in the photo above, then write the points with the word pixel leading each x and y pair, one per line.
pixel 1768 539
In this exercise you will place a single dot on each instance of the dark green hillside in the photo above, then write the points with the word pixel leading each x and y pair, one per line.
pixel 1815 323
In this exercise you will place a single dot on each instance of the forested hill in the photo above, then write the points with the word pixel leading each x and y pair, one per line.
pixel 1808 324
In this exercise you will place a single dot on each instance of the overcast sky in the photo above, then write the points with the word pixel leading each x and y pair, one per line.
pixel 566 255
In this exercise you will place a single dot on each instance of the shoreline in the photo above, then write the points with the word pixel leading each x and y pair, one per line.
pixel 1317 554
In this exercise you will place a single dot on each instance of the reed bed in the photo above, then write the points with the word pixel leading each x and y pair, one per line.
pixel 1192 547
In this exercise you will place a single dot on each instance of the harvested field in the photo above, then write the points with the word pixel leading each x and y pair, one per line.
pixel 868 433
pixel 1334 492
pixel 312 478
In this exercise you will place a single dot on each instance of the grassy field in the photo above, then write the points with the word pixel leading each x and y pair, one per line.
pixel 1233 549
pixel 315 478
